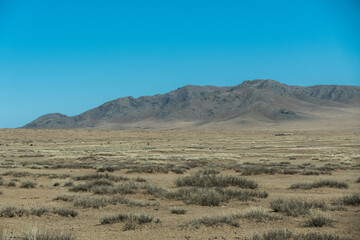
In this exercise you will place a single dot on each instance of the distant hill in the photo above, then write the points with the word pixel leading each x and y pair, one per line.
pixel 257 103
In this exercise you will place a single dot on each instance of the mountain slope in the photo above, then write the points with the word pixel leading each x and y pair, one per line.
pixel 252 102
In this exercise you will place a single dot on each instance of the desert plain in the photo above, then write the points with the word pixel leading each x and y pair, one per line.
pixel 163 184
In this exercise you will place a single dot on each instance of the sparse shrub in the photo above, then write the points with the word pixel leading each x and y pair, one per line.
pixel 10 212
pixel 318 219
pixel 315 172
pixel 5 234
pixel 290 171
pixel 1 192
pixel 231 220
pixel 108 169
pixel 319 184
pixel 242 194
pixel 259 215
pixel 129 225
pixel 177 170
pixel 358 180
pixel 28 184
pixel 88 186
pixel 289 235
pixel 82 187
pixel 208 171
pixel 200 196
pixel 124 188
pixel 37 211
pixel 16 174
pixel 149 169
pixel 274 235
pixel 11 184
pixel 65 212
pixel 69 183
pixel 61 176
pixel 256 170
pixel 131 220
pixel 352 200
pixel 140 179
pixel 101 176
pixel 35 234
pixel 212 180
pixel 97 202
pixel 178 211
pixel 89 202
pixel 296 207
pixel 156 191
pixel 65 198
pixel 1 181
pixel 56 184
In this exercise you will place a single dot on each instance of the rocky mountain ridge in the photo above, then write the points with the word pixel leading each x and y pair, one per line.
pixel 251 101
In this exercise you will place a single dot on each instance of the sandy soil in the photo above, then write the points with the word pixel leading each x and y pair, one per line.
pixel 39 153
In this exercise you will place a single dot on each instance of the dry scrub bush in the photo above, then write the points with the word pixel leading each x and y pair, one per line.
pixel 28 184
pixel 296 207
pixel 35 234
pixel 178 211
pixel 131 220
pixel 232 219
pixel 10 212
pixel 319 184
pixel 318 219
pixel 256 170
pixel 97 176
pixel 212 180
pixel 289 235
pixel 98 202
pixel 350 200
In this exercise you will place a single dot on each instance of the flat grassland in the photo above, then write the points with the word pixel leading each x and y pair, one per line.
pixel 92 184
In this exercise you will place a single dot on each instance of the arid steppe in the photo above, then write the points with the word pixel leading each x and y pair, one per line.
pixel 154 184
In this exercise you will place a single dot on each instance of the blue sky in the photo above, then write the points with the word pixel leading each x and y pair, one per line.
pixel 69 56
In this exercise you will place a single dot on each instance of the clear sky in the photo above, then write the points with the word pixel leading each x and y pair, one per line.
pixel 69 56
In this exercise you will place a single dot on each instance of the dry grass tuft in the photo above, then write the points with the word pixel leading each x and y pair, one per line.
pixel 319 184
pixel 296 207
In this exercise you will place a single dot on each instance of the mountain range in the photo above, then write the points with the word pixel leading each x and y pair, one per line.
pixel 263 104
